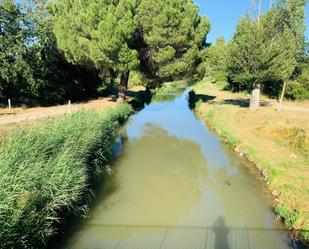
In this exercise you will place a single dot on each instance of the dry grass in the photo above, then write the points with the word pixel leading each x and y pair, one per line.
pixel 10 118
pixel 278 142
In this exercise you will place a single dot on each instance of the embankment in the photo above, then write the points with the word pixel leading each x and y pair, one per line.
pixel 276 142
pixel 47 172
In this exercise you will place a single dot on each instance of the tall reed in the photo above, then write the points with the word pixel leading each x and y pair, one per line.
pixel 47 170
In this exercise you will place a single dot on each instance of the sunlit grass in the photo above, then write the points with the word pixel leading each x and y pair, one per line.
pixel 278 143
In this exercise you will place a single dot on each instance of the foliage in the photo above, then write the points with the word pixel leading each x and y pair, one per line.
pixel 216 59
pixel 31 66
pixel 290 217
pixel 297 90
pixel 173 36
pixel 136 79
pixel 162 38
pixel 48 169
pixel 267 49
pixel 13 64
pixel 97 33
pixel 296 138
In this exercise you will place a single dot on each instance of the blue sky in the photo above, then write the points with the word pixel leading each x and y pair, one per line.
pixel 224 15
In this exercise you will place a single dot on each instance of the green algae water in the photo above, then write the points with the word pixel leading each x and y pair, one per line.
pixel 175 185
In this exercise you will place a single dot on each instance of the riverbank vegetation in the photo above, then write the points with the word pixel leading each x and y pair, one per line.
pixel 277 142
pixel 47 171
pixel 267 52
pixel 55 51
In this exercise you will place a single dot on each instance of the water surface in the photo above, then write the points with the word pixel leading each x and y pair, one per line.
pixel 175 185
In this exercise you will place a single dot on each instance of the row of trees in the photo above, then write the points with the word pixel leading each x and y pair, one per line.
pixel 266 51
pixel 163 39
pixel 64 49
pixel 32 68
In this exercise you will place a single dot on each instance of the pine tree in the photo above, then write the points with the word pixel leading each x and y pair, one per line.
pixel 162 38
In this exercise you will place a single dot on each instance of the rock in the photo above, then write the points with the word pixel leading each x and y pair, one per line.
pixel 264 174
pixel 293 156
pixel 275 193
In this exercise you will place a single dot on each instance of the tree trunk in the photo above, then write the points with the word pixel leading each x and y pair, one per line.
pixel 123 87
pixel 255 97
pixel 281 97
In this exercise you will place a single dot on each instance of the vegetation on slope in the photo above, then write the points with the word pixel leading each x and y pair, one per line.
pixel 277 142
pixel 47 172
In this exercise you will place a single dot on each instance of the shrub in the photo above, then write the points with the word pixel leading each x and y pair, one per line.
pixel 48 169
pixel 298 91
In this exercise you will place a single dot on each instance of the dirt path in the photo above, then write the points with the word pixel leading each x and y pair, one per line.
pixel 243 100
pixel 17 115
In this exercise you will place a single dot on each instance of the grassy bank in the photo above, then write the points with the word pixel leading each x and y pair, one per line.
pixel 277 143
pixel 47 172
pixel 168 91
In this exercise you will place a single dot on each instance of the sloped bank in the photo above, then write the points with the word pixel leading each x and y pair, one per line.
pixel 47 172
pixel 295 220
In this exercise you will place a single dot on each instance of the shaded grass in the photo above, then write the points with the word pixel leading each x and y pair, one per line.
pixel 168 91
pixel 277 142
pixel 47 172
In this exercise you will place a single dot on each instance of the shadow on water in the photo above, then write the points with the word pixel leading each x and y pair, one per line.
pixel 221 232
pixel 139 99
pixel 194 98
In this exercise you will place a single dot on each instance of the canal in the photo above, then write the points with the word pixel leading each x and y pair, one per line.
pixel 175 185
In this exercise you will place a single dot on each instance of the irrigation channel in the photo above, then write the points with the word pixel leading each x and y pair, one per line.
pixel 175 185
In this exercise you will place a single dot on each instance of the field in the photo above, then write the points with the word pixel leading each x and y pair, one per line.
pixel 277 142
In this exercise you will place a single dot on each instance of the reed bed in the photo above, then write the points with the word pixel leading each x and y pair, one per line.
pixel 47 170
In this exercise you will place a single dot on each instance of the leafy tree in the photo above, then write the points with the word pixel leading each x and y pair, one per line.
pixel 98 34
pixel 216 57
pixel 13 66
pixel 162 38
pixel 32 69
pixel 55 79
pixel 172 35
pixel 266 49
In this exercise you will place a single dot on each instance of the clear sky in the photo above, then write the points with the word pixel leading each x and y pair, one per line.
pixel 224 15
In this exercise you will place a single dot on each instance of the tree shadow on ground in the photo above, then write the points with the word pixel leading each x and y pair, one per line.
pixel 194 98
pixel 244 102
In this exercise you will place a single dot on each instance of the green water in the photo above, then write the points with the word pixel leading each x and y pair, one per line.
pixel 174 185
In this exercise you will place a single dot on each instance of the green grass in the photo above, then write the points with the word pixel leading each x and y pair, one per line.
pixel 168 91
pixel 47 172
pixel 276 142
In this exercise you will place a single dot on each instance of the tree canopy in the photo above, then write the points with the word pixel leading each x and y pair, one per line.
pixel 266 49
pixel 173 34
pixel 162 38
pixel 32 69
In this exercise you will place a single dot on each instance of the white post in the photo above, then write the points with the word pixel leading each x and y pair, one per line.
pixel 69 103
pixel 9 103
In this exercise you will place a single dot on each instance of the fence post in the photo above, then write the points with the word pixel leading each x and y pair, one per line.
pixel 69 103
pixel 9 103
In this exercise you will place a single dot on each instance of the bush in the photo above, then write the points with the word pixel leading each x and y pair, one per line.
pixel 298 91
pixel 48 170
pixel 136 79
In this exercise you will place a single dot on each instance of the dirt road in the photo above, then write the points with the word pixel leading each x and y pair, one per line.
pixel 17 115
